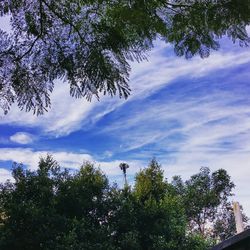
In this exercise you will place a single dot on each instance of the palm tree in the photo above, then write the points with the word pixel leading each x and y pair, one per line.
pixel 123 166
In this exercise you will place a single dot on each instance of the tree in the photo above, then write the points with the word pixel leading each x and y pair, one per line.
pixel 124 166
pixel 206 199
pixel 162 223
pixel 123 219
pixel 224 225
pixel 89 43
pixel 150 183
pixel 28 205
pixel 54 209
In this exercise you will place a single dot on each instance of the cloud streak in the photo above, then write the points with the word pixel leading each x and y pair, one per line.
pixel 186 113
pixel 68 114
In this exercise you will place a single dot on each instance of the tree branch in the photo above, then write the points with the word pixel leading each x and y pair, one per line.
pixel 66 21
pixel 38 36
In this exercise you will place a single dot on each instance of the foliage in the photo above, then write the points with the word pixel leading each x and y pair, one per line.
pixel 89 43
pixel 150 184
pixel 224 225
pixel 206 200
pixel 162 221
pixel 51 208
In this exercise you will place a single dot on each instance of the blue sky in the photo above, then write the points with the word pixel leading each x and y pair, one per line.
pixel 186 113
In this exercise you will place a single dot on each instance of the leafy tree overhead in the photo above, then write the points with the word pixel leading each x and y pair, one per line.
pixel 89 43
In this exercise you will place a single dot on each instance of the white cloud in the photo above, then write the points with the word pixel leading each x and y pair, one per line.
pixel 22 138
pixel 64 117
pixel 30 158
pixel 149 76
pixel 212 129
pixel 68 114
pixel 205 119
pixel 199 121
pixel 185 164
pixel 5 175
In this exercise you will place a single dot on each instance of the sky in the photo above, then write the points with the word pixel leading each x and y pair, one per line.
pixel 186 113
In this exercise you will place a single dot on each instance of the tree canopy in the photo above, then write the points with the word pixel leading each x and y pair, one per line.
pixel 56 209
pixel 89 43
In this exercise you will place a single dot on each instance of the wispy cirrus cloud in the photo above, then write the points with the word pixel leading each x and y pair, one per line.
pixel 192 126
pixel 63 118
pixel 203 119
pixel 186 113
pixel 161 69
pixel 68 114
